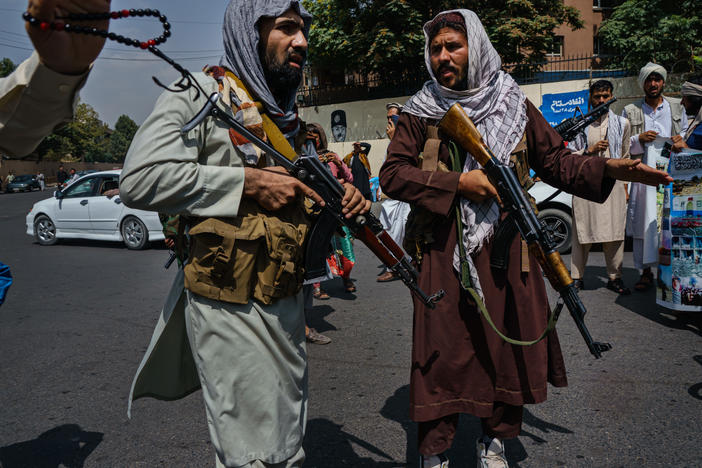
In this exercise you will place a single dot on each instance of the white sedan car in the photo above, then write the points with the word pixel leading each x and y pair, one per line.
pixel 90 208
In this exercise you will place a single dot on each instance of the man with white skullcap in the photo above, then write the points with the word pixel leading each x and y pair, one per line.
pixel 233 323
pixel 654 115
pixel 692 102
pixel 459 364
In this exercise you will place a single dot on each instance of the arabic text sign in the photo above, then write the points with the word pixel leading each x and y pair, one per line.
pixel 560 106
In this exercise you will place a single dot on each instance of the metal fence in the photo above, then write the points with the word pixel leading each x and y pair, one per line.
pixel 565 69
pixel 376 86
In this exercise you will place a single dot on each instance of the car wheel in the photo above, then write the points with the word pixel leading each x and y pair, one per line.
pixel 560 224
pixel 134 233
pixel 44 230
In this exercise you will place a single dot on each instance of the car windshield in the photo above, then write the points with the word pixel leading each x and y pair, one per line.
pixel 23 178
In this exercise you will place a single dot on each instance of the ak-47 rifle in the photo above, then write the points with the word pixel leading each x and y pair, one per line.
pixel 569 128
pixel 457 125
pixel 312 172
pixel 308 169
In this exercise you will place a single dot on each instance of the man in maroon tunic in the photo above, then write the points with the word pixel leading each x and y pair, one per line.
pixel 460 365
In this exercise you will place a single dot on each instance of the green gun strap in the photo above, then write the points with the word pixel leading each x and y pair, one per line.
pixel 466 282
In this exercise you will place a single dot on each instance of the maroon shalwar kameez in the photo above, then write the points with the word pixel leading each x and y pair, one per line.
pixel 459 364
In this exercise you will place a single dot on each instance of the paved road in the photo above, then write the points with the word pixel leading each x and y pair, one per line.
pixel 80 315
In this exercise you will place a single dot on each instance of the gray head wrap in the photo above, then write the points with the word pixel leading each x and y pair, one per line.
pixel 240 32
pixel 649 68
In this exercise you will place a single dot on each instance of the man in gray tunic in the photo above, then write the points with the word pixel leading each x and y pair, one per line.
pixel 244 346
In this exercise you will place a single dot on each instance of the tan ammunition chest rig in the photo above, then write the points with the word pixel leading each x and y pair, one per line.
pixel 256 255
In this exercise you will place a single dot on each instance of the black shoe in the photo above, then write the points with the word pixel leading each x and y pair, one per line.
pixel 618 287
pixel 579 285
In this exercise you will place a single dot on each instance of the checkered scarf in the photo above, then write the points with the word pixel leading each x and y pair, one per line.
pixel 615 133
pixel 495 104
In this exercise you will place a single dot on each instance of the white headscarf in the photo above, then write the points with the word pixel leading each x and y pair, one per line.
pixel 692 90
pixel 649 68
pixel 496 106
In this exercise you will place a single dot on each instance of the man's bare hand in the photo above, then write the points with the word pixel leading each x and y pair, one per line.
pixel 273 188
pixel 633 170
pixel 601 145
pixel 678 144
pixel 353 202
pixel 475 185
pixel 63 52
pixel 390 130
pixel 647 137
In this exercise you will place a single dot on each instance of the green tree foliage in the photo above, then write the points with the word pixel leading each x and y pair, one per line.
pixel 6 67
pixel 89 135
pixel 87 138
pixel 121 138
pixel 662 31
pixel 386 36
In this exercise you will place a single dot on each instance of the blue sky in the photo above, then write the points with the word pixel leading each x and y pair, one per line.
pixel 120 82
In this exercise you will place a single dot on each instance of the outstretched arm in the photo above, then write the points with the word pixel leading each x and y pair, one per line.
pixel 633 170
pixel 40 95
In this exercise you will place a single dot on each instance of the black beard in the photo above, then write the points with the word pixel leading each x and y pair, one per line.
pixel 282 79
pixel 655 95
pixel 461 85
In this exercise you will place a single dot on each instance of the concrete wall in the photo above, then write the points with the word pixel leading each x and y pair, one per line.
pixel 366 120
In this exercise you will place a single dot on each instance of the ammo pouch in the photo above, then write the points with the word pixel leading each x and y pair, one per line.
pixel 257 254
pixel 419 229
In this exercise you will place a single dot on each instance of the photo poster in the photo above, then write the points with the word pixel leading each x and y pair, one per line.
pixel 680 243
pixel 560 106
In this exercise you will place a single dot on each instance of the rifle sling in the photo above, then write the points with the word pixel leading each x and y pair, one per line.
pixel 466 282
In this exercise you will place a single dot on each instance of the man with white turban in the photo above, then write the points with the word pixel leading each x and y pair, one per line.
pixel 654 115
pixel 460 365
pixel 691 91
pixel 233 323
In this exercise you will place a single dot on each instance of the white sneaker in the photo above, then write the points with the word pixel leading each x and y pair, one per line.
pixel 493 456
pixel 434 461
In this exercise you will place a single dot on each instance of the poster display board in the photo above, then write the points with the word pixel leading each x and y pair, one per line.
pixel 680 214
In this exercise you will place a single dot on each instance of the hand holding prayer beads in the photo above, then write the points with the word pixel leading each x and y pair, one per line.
pixel 48 20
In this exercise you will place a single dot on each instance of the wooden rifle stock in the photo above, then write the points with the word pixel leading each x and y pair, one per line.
pixel 457 125
pixel 462 130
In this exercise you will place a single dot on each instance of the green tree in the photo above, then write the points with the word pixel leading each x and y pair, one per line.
pixel 6 67
pixel 85 137
pixel 665 32
pixel 121 138
pixel 386 36
pixel 88 134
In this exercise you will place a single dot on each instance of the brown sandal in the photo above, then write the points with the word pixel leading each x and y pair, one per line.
pixel 319 294
pixel 349 286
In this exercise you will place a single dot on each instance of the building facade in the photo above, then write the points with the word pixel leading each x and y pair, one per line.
pixel 583 42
